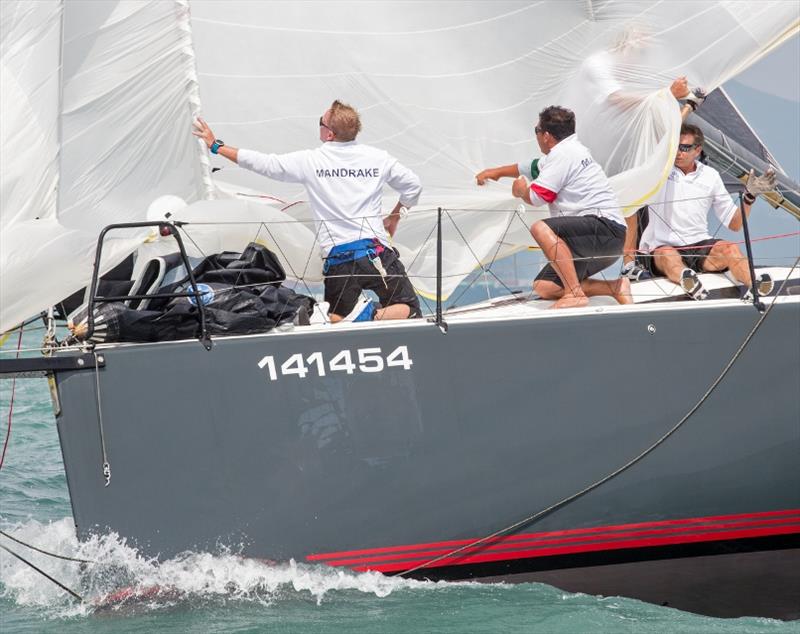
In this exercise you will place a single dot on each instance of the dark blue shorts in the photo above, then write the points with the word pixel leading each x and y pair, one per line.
pixel 344 283
pixel 693 256
pixel 595 242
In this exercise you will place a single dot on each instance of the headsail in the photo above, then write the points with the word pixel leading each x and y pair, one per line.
pixel 114 131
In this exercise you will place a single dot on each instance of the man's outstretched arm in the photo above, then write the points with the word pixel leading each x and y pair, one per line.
pixel 282 167
pixel 495 173
pixel 202 131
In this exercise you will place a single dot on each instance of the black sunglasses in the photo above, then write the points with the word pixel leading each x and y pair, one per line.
pixel 539 130
pixel 322 125
pixel 686 147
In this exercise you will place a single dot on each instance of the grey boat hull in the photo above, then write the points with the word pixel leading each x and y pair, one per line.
pixel 491 423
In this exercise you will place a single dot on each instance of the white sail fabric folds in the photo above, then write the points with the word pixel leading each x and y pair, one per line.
pixel 99 121
pixel 446 88
pixel 449 91
pixel 30 37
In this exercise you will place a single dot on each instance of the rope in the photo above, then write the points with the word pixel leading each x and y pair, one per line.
pixel 44 574
pixel 532 518
pixel 11 403
pixel 45 552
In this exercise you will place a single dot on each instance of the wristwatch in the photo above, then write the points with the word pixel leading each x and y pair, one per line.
pixel 749 198
pixel 216 145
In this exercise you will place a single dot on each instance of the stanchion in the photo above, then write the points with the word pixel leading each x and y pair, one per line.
pixel 439 319
pixel 759 305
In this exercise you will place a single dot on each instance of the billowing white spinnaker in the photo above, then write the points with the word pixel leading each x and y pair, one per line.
pixel 446 92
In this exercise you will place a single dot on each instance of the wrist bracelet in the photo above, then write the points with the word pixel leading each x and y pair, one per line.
pixel 749 198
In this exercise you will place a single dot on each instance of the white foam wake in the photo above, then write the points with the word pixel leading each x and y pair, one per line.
pixel 122 578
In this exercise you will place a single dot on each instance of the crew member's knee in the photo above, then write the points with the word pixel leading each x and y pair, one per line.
pixel 728 249
pixel 665 252
pixel 664 257
pixel 540 231
pixel 723 255
pixel 547 289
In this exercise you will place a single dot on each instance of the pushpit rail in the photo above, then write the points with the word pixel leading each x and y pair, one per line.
pixel 165 229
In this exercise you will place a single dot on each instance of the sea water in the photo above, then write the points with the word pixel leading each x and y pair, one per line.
pixel 199 592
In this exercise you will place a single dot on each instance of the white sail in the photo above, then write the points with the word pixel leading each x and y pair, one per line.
pixel 446 88
pixel 30 40
pixel 113 90
pixel 451 91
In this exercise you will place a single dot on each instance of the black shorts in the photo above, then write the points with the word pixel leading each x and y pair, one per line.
pixel 595 242
pixel 344 282
pixel 693 256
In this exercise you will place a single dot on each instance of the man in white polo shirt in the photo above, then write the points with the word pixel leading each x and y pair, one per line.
pixel 345 181
pixel 586 231
pixel 677 234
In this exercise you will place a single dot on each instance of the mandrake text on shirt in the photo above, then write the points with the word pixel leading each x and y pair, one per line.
pixel 344 172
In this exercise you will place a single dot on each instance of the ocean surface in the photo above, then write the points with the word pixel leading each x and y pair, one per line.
pixel 198 592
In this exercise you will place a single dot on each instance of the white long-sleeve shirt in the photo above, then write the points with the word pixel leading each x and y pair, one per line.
pixel 344 181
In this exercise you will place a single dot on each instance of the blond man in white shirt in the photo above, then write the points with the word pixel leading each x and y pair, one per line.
pixel 345 181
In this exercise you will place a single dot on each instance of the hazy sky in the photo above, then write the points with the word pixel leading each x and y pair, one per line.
pixel 768 95
pixel 778 73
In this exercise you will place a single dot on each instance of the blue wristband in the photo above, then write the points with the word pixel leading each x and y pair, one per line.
pixel 215 147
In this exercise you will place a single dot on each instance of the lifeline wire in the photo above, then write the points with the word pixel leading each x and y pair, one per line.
pixel 484 269
pixel 44 574
pixel 532 518
pixel 421 210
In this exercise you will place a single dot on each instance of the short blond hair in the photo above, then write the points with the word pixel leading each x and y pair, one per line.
pixel 344 121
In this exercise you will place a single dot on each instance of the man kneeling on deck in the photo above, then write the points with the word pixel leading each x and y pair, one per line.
pixel 677 232
pixel 344 181
pixel 586 230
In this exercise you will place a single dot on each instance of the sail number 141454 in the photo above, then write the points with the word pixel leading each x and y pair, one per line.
pixel 367 360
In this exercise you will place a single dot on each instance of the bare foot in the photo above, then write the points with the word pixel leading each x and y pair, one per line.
pixel 571 301
pixel 622 291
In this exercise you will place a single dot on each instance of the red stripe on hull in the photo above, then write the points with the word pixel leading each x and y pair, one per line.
pixel 458 560
pixel 530 545
pixel 536 544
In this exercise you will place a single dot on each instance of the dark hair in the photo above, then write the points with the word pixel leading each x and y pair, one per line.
pixel 697 133
pixel 558 121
